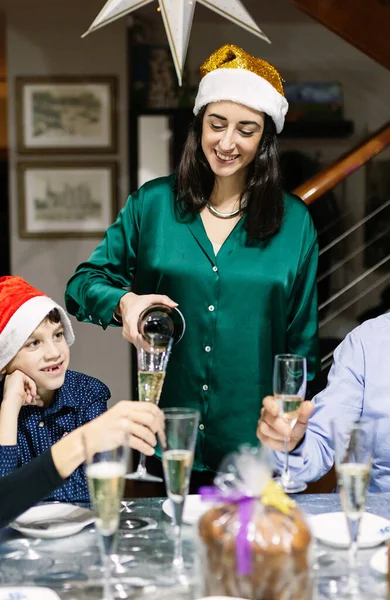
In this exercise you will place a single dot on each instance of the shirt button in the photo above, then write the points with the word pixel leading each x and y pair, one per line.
pixel 207 348
pixel 201 427
pixel 215 269
pixel 211 308
pixel 41 424
pixel 90 318
pixel 205 387
pixel 100 322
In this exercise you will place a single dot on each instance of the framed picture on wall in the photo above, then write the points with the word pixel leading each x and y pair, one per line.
pixel 66 200
pixel 66 114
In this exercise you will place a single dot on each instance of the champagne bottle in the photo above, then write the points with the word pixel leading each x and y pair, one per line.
pixel 159 322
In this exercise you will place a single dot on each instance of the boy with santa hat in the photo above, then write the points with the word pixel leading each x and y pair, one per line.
pixel 41 399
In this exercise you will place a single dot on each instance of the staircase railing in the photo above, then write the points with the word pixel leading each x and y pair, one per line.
pixel 317 185
pixel 358 258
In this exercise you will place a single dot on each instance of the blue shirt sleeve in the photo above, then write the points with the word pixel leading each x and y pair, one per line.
pixel 8 459
pixel 342 399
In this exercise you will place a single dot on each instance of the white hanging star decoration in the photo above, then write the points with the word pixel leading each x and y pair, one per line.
pixel 177 16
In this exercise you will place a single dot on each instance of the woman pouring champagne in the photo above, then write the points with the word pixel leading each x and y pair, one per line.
pixel 223 242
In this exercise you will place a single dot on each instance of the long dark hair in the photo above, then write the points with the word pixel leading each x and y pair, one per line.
pixel 263 191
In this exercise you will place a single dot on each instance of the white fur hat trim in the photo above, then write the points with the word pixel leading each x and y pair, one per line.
pixel 24 322
pixel 244 87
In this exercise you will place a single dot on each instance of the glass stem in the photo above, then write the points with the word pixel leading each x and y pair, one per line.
pixel 108 546
pixel 178 555
pixel 286 469
pixel 107 594
pixel 141 469
pixel 353 583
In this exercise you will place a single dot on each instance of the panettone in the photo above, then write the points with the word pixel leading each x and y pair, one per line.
pixel 280 553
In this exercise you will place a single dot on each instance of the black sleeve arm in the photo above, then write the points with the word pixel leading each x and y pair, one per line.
pixel 26 486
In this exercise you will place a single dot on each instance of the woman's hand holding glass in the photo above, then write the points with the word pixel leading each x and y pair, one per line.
pixel 141 421
pixel 131 306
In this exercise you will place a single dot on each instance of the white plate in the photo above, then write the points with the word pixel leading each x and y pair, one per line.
pixel 331 529
pixel 194 508
pixel 53 520
pixel 379 562
pixel 27 593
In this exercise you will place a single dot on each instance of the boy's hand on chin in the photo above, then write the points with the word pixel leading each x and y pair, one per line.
pixel 20 390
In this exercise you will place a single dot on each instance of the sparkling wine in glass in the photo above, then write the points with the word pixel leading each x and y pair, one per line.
pixel 178 445
pixel 105 474
pixel 353 448
pixel 152 360
pixel 289 384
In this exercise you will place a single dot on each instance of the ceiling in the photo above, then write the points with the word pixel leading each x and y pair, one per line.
pixel 261 10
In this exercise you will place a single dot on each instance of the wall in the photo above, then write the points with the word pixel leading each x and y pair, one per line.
pixel 45 40
pixel 3 88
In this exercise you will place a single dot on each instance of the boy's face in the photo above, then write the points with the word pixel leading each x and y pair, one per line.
pixel 44 356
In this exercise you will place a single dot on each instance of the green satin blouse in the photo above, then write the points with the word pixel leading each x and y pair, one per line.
pixel 241 307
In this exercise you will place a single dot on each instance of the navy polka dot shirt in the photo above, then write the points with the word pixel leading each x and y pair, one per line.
pixel 80 399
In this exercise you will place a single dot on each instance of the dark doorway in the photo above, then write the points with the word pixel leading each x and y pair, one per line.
pixel 4 219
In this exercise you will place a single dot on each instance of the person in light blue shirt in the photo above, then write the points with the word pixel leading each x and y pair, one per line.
pixel 358 386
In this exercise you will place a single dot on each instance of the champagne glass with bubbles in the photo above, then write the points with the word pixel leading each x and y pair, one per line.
pixel 152 359
pixel 289 383
pixel 105 474
pixel 178 445
pixel 353 448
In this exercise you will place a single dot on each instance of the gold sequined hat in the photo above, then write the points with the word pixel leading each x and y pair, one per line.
pixel 230 73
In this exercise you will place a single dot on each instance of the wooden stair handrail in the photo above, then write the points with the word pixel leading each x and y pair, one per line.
pixel 320 183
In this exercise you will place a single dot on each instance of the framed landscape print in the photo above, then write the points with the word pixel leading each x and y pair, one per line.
pixel 66 200
pixel 66 114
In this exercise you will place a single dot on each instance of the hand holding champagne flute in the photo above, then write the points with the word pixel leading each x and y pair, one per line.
pixel 289 383
pixel 152 360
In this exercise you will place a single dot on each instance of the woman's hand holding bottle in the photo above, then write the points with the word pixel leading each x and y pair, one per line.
pixel 131 306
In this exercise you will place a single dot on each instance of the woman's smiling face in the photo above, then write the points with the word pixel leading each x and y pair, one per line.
pixel 231 134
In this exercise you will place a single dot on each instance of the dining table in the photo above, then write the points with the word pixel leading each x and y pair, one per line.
pixel 71 566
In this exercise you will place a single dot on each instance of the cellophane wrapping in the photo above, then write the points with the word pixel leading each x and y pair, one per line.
pixel 270 559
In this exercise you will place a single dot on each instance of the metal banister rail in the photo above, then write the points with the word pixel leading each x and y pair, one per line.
pixel 346 291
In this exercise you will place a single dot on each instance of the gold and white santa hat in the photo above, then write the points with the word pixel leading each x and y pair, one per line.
pixel 232 74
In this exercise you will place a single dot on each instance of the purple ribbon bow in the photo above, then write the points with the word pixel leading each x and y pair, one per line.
pixel 245 511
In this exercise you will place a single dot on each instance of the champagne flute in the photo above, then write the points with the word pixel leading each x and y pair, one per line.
pixel 105 474
pixel 152 359
pixel 289 383
pixel 353 455
pixel 178 445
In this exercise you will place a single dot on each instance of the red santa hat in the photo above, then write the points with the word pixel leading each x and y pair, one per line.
pixel 22 309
